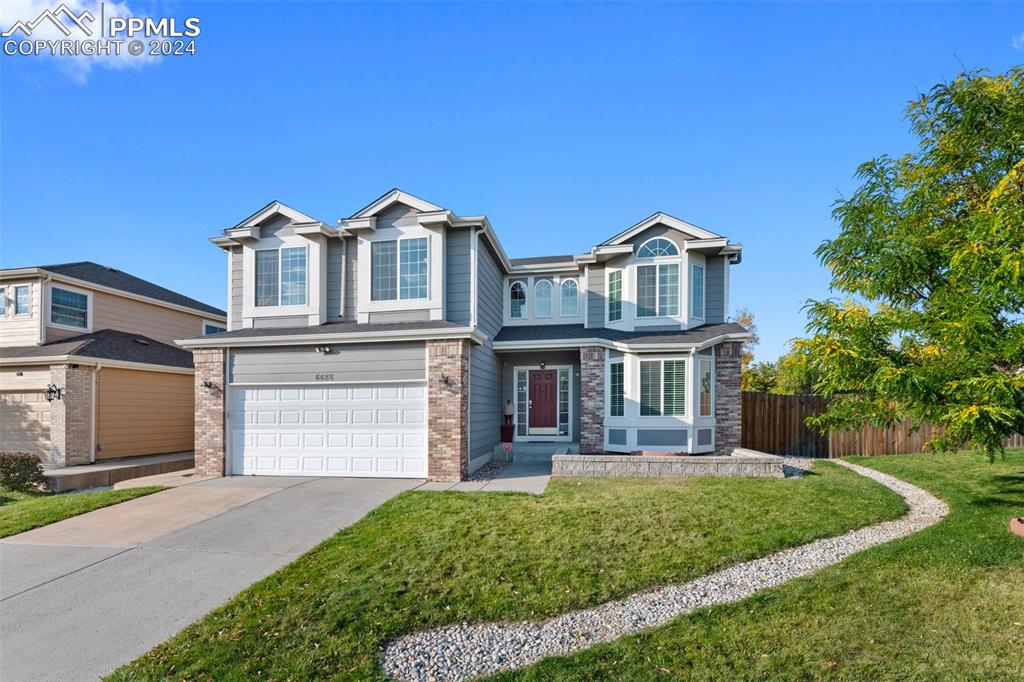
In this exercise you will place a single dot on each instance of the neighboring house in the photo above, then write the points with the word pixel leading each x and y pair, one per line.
pixel 389 344
pixel 102 342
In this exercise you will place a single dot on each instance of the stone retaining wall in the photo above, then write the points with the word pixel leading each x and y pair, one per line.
pixel 666 466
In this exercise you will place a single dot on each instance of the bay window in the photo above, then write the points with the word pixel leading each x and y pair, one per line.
pixel 697 290
pixel 662 388
pixel 706 408
pixel 616 389
pixel 657 289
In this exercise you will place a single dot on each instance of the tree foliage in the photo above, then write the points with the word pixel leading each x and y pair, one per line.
pixel 931 256
pixel 745 318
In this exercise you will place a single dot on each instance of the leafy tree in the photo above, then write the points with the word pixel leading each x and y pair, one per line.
pixel 931 252
pixel 796 373
pixel 745 318
pixel 760 377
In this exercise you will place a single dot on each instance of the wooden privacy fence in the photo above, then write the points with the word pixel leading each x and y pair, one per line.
pixel 775 424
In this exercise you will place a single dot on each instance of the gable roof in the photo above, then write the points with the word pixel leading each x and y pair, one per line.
pixel 660 218
pixel 392 197
pixel 105 276
pixel 107 344
pixel 272 208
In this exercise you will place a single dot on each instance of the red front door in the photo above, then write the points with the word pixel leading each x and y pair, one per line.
pixel 543 399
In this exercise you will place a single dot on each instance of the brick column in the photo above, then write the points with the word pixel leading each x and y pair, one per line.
pixel 448 410
pixel 592 399
pixel 728 401
pixel 71 416
pixel 209 435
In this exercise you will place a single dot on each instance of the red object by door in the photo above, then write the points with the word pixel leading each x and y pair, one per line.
pixel 543 399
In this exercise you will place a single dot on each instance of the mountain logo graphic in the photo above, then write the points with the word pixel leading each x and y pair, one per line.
pixel 54 17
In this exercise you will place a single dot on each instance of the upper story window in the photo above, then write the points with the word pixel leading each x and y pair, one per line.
pixel 211 328
pixel 69 308
pixel 615 295
pixel 656 248
pixel 657 290
pixel 281 276
pixel 570 298
pixel 399 269
pixel 23 300
pixel 697 290
pixel 542 298
pixel 517 300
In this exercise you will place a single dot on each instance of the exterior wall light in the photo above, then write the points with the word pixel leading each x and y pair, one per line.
pixel 448 383
pixel 53 393
pixel 323 350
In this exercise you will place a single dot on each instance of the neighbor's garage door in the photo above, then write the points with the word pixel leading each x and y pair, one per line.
pixel 372 431
pixel 25 423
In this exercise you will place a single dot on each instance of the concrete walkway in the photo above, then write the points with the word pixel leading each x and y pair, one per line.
pixel 518 477
pixel 83 596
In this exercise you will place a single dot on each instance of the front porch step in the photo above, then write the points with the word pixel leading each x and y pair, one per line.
pixel 107 473
pixel 532 453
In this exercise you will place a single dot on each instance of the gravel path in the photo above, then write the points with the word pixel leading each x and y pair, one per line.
pixel 467 651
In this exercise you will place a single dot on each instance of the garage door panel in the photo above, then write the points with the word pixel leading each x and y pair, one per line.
pixel 332 431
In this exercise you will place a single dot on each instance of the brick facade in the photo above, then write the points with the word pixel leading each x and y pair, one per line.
pixel 209 445
pixel 71 416
pixel 448 410
pixel 728 403
pixel 592 399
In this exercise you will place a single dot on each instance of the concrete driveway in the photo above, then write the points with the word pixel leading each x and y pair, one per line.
pixel 81 597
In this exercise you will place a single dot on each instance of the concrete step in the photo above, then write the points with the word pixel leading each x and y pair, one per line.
pixel 107 473
pixel 536 453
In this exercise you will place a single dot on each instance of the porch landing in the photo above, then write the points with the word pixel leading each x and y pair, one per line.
pixel 109 472
pixel 535 452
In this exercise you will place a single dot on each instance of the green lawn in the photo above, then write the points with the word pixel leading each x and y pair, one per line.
pixel 946 603
pixel 24 511
pixel 429 559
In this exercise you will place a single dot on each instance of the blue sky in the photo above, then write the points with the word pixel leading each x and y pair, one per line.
pixel 564 123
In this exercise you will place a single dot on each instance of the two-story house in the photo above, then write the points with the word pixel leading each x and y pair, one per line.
pixel 88 366
pixel 395 343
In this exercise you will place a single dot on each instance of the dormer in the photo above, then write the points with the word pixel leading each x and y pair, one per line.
pixel 668 274
pixel 280 255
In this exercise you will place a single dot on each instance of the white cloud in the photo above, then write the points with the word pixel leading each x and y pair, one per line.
pixel 1018 41
pixel 77 67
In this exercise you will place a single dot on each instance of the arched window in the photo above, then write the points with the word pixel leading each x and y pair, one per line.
pixel 654 248
pixel 517 300
pixel 542 298
pixel 570 298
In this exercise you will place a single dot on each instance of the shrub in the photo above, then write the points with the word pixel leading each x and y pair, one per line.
pixel 20 471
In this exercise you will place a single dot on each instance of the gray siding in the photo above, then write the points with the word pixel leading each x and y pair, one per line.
pixel 359 362
pixel 714 289
pixel 556 357
pixel 351 269
pixel 457 276
pixel 661 437
pixel 283 321
pixel 595 296
pixel 235 304
pixel 485 399
pixel 399 316
pixel 333 284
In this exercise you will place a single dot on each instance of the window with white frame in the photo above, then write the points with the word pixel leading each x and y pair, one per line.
pixel 399 269
pixel 697 290
pixel 211 328
pixel 23 300
pixel 281 276
pixel 570 298
pixel 3 301
pixel 616 389
pixel 542 298
pixel 657 290
pixel 656 248
pixel 615 295
pixel 563 402
pixel 517 300
pixel 705 401
pixel 662 388
pixel 69 308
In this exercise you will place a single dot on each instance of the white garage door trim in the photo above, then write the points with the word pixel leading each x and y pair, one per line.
pixel 359 430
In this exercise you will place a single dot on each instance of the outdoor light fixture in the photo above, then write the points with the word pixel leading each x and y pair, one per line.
pixel 53 393
pixel 449 383
pixel 208 385
pixel 543 365
pixel 323 350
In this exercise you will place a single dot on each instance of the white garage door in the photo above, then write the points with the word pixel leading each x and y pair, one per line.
pixel 374 431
